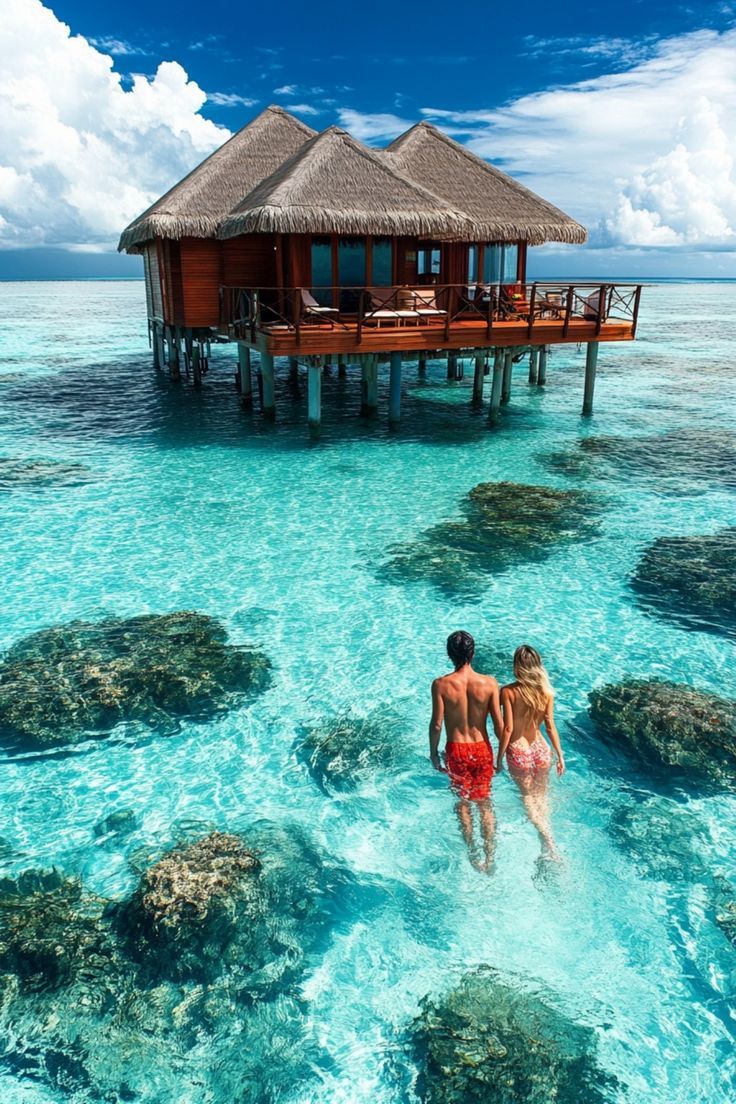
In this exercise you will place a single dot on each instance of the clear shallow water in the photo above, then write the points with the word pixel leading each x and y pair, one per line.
pixel 194 503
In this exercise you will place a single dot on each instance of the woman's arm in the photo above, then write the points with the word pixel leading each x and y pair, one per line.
pixel 435 726
pixel 507 708
pixel 551 727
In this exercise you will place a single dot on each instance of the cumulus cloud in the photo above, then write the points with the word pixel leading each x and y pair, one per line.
pixel 80 155
pixel 229 99
pixel 372 128
pixel 644 156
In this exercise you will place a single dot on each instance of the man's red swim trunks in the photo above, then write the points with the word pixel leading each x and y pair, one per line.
pixel 470 767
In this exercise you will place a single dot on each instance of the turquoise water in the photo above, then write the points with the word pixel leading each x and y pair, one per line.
pixel 194 503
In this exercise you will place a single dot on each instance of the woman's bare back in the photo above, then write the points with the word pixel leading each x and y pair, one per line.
pixel 527 721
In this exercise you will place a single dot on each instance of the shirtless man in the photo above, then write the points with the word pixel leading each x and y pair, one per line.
pixel 463 700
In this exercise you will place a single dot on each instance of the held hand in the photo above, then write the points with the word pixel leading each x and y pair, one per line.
pixel 560 765
pixel 499 765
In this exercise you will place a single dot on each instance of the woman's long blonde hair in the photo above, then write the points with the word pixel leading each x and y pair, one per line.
pixel 532 681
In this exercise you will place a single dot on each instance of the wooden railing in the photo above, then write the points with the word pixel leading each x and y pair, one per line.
pixel 246 312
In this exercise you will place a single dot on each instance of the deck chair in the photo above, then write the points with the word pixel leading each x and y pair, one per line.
pixel 312 309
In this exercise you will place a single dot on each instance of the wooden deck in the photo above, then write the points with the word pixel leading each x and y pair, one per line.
pixel 318 340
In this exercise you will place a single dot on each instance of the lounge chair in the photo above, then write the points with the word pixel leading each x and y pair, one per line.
pixel 312 309
pixel 380 311
pixel 425 304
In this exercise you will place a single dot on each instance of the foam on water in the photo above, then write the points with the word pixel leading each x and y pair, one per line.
pixel 193 503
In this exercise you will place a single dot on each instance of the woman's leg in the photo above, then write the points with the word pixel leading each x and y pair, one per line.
pixel 533 787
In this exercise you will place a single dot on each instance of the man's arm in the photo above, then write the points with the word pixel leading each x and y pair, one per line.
pixel 435 726
pixel 494 708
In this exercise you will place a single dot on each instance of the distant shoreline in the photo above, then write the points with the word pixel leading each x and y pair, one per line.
pixel 541 279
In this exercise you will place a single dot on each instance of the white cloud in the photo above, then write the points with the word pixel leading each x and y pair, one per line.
pixel 80 155
pixel 118 47
pixel 303 109
pixel 644 156
pixel 372 128
pixel 285 90
pixel 229 99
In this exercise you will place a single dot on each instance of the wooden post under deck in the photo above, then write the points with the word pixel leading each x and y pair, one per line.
pixel 342 368
pixel 478 379
pixel 294 369
pixel 369 385
pixel 394 388
pixel 244 374
pixel 196 367
pixel 542 370
pixel 591 363
pixel 508 365
pixel 155 346
pixel 268 407
pixel 314 384
pixel 422 366
pixel 533 365
pixel 494 412
pixel 174 370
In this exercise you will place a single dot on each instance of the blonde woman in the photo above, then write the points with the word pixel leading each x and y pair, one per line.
pixel 527 703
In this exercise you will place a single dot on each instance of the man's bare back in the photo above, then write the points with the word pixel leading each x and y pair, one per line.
pixel 463 700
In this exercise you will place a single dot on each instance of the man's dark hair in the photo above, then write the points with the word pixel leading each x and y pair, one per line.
pixel 460 648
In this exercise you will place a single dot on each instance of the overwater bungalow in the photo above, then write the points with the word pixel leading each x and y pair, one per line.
pixel 312 246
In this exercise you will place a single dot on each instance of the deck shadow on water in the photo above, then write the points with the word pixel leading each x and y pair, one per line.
pixel 502 525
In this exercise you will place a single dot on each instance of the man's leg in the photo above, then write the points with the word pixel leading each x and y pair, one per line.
pixel 465 816
pixel 488 832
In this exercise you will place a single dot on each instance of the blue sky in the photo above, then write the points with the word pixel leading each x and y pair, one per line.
pixel 623 114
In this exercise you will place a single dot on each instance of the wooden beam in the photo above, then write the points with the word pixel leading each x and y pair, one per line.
pixel 494 412
pixel 533 365
pixel 478 379
pixel 196 368
pixel 591 363
pixel 508 366
pixel 268 401
pixel 394 388
pixel 369 386
pixel 314 376
pixel 244 374
pixel 542 370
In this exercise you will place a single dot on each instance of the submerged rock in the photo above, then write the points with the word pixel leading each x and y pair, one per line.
pixel 691 580
pixel 665 840
pixel 688 733
pixel 116 825
pixel 503 524
pixel 50 930
pixel 488 1041
pixel 186 990
pixel 41 473
pixel 677 460
pixel 726 909
pixel 345 750
pixel 60 685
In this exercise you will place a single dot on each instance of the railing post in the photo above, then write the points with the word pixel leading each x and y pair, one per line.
pixel 532 301
pixel 568 309
pixel 361 309
pixel 601 308
pixel 297 309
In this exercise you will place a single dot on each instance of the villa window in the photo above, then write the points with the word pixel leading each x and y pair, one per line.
pixel 322 270
pixel 381 262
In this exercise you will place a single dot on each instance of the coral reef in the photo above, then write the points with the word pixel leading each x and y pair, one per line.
pixel 691 580
pixel 665 840
pixel 60 685
pixel 679 461
pixel 344 750
pixel 725 902
pixel 487 1040
pixel 126 1000
pixel 687 733
pixel 116 825
pixel 40 473
pixel 503 524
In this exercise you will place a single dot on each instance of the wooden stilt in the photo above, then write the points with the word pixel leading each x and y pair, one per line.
pixel 394 388
pixel 155 345
pixel 342 368
pixel 533 365
pixel 268 401
pixel 454 369
pixel 369 382
pixel 508 365
pixel 196 373
pixel 174 370
pixel 494 413
pixel 478 379
pixel 422 367
pixel 244 374
pixel 314 382
pixel 591 363
pixel 542 370
pixel 294 369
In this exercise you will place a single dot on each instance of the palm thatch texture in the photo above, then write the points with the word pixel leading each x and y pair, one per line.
pixel 196 206
pixel 277 175
pixel 335 185
pixel 500 208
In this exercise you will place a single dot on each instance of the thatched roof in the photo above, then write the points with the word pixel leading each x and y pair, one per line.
pixel 500 208
pixel 196 206
pixel 334 184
